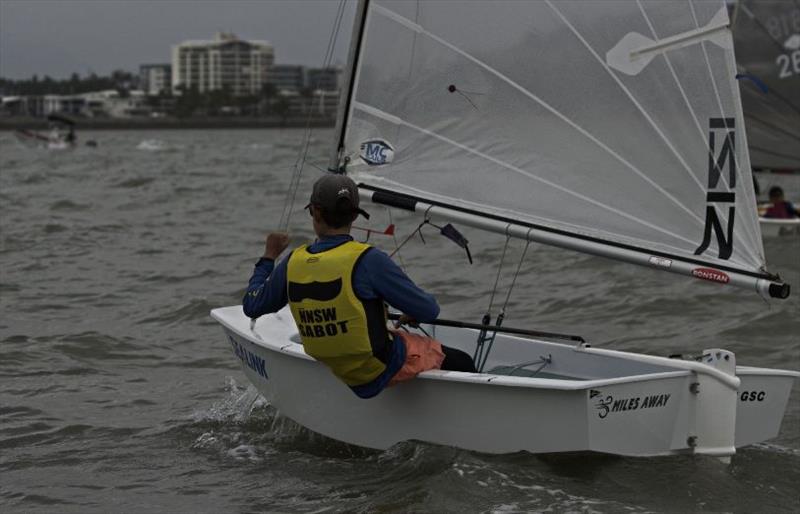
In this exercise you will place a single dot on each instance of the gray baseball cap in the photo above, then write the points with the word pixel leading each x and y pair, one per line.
pixel 335 191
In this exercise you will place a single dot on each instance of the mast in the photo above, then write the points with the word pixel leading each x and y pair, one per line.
pixel 763 283
pixel 343 113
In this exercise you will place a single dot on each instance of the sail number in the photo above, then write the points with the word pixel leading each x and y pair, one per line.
pixel 789 64
pixel 784 25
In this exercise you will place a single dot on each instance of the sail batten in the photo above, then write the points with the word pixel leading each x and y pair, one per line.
pixel 641 109
pixel 678 84
pixel 531 122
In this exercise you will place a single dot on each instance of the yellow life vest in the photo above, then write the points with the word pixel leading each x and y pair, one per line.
pixel 337 327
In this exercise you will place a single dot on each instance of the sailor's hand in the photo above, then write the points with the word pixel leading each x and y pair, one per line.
pixel 275 245
pixel 405 319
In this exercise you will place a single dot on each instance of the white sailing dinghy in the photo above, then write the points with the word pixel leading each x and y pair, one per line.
pixel 778 227
pixel 612 128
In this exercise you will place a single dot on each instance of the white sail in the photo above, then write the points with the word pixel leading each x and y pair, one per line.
pixel 767 40
pixel 616 122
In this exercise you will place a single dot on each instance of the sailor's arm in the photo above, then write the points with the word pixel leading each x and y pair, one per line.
pixel 266 291
pixel 386 280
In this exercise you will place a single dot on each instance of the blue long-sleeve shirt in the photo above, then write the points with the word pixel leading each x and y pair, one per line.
pixel 376 276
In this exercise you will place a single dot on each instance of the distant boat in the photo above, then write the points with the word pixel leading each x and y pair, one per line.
pixel 614 129
pixel 33 139
pixel 774 227
pixel 777 227
pixel 61 136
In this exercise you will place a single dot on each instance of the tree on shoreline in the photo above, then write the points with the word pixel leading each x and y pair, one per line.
pixel 120 80
pixel 184 102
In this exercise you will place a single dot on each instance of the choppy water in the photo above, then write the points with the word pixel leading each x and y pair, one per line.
pixel 120 394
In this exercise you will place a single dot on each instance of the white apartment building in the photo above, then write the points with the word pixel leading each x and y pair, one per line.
pixel 224 62
pixel 154 78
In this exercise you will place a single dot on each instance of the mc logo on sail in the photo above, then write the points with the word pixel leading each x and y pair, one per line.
pixel 721 194
pixel 376 152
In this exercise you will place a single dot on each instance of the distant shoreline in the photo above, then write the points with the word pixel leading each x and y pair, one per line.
pixel 7 124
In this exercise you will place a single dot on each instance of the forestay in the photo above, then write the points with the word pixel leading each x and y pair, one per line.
pixel 618 123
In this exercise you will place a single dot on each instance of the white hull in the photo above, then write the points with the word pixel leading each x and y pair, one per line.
pixel 772 227
pixel 36 140
pixel 602 400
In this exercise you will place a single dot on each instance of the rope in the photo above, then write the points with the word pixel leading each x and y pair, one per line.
pixel 418 230
pixel 407 239
pixel 396 246
pixel 484 339
pixel 497 278
pixel 299 163
pixel 516 274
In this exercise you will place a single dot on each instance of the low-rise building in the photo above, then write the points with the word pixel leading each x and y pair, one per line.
pixel 321 104
pixel 32 106
pixel 96 104
pixel 326 79
pixel 287 77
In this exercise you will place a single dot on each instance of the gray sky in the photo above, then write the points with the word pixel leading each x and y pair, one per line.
pixel 58 37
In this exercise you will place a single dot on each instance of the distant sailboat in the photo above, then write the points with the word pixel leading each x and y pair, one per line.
pixel 61 136
pixel 766 36
pixel 611 128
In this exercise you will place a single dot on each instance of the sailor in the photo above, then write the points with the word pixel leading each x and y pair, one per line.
pixel 336 289
pixel 780 208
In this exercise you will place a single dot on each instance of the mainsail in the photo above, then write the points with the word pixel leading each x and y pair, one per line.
pixel 611 127
pixel 767 40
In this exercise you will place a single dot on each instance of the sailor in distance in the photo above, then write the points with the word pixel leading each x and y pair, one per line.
pixel 780 208
pixel 337 288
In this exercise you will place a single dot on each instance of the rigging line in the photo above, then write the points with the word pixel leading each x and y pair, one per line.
pixel 294 185
pixel 396 246
pixel 751 228
pixel 300 159
pixel 408 237
pixel 502 316
pixel 413 26
pixel 394 119
pixel 633 99
pixel 499 269
pixel 516 274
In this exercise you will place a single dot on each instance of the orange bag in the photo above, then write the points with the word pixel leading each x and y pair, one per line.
pixel 422 353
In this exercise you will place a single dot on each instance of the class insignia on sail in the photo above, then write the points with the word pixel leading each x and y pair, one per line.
pixel 376 152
